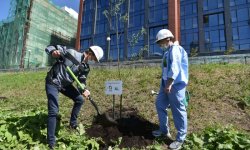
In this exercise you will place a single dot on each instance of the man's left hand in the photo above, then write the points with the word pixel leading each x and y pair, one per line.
pixel 86 93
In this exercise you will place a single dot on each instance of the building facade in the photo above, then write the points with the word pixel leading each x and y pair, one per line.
pixel 30 28
pixel 206 27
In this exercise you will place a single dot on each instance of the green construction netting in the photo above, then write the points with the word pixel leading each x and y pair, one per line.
pixel 32 25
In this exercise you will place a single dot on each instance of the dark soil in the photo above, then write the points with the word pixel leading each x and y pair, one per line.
pixel 134 130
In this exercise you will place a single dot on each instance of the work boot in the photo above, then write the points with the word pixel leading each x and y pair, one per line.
pixel 158 133
pixel 73 127
pixel 51 147
pixel 176 145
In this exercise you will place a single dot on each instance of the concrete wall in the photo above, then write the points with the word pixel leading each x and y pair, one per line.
pixel 239 58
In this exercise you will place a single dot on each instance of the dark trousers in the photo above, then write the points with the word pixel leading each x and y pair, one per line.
pixel 53 107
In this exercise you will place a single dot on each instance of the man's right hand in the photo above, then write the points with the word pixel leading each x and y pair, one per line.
pixel 86 93
pixel 56 54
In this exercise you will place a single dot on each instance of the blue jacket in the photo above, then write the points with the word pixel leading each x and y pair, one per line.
pixel 175 65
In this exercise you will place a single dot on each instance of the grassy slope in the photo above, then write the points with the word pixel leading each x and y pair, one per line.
pixel 218 94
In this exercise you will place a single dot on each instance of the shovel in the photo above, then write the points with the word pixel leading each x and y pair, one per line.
pixel 104 119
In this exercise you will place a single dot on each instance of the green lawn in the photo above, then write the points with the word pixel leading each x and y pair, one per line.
pixel 220 96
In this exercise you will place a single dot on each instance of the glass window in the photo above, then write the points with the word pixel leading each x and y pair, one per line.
pixel 100 27
pixel 239 2
pixel 213 20
pixel 158 15
pixel 242 14
pixel 85 43
pixel 151 16
pixel 220 3
pixel 164 13
pixel 214 36
pixel 189 23
pixel 151 3
pixel 207 37
pixel 244 46
pixel 221 18
pixel 86 30
pixel 194 8
pixel 182 10
pixel 195 23
pixel 222 35
pixel 235 34
pixel 233 16
pixel 188 9
pixel 212 4
pixel 182 24
pixel 232 3
pixel 205 5
pixel 244 32
pixel 196 37
pixel 206 19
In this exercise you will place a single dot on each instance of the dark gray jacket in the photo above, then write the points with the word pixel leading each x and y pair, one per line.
pixel 58 74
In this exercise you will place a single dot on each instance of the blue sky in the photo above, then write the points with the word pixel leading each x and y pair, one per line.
pixel 5 5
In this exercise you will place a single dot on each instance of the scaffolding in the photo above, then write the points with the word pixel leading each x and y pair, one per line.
pixel 29 28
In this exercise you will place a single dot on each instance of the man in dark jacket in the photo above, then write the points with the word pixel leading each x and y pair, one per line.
pixel 59 80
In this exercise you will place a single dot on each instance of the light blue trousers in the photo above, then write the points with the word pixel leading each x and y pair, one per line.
pixel 175 100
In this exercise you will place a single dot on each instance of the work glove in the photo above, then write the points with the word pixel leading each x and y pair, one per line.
pixel 86 93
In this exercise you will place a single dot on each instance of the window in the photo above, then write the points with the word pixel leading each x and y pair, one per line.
pixel 213 20
pixel 188 23
pixel 244 46
pixel 220 3
pixel 212 4
pixel 205 5
pixel 188 9
pixel 194 8
pixel 100 27
pixel 205 19
pixel 244 32
pixel 221 18
pixel 235 34
pixel 85 43
pixel 195 24
pixel 242 14
pixel 232 3
pixel 86 30
pixel 222 35
pixel 240 2
pixel 182 24
pixel 233 16
pixel 214 36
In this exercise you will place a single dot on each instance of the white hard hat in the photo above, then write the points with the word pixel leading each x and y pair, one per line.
pixel 97 51
pixel 163 34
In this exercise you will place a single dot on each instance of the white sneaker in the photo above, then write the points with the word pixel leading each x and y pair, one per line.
pixel 158 133
pixel 176 145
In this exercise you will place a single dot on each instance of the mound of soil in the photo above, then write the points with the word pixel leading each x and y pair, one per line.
pixel 134 130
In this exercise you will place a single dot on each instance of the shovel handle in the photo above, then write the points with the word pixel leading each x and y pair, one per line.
pixel 82 88
pixel 75 78
pixel 94 104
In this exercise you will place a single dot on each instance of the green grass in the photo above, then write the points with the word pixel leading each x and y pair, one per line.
pixel 220 93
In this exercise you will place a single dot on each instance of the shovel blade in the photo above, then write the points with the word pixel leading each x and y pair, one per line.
pixel 105 120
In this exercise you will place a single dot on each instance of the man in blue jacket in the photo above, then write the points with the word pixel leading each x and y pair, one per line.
pixel 59 80
pixel 172 90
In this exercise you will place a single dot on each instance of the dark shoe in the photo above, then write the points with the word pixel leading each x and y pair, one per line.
pixel 51 147
pixel 73 127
